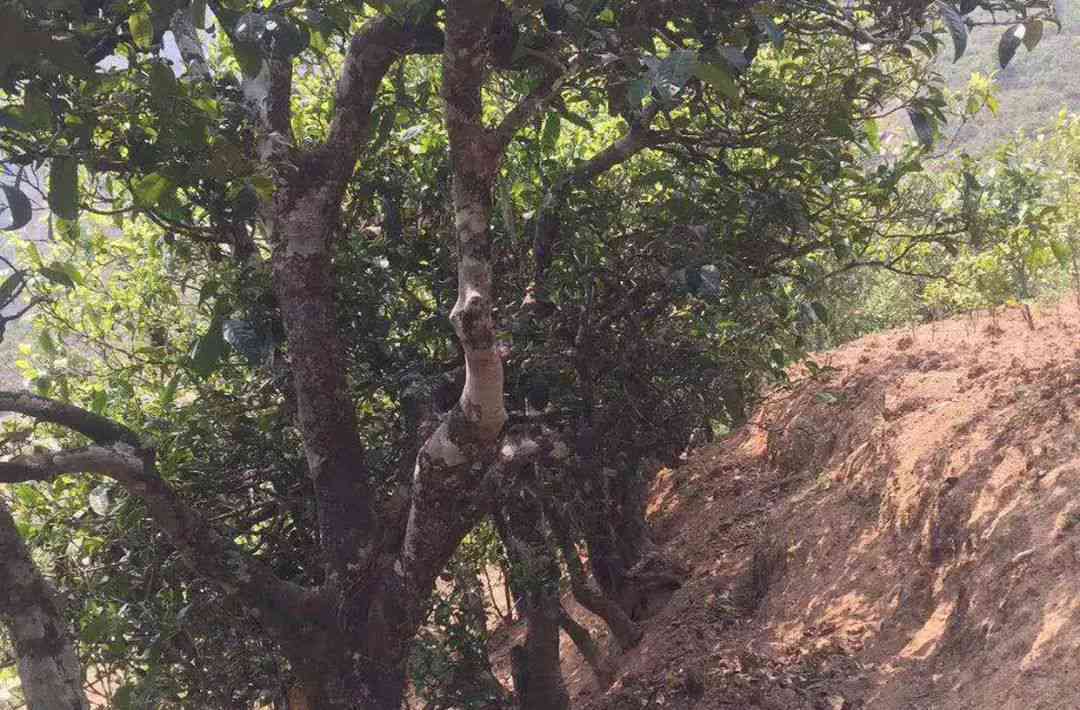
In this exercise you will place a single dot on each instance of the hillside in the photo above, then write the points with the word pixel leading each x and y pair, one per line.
pixel 1032 89
pixel 900 533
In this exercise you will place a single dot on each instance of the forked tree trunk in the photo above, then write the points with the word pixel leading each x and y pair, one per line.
pixel 626 632
pixel 47 663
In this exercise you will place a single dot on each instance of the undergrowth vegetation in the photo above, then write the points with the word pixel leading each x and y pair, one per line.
pixel 1019 243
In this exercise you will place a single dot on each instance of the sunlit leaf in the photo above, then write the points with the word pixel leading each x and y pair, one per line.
pixel 142 28
pixel 149 189
pixel 1062 253
pixel 873 135
pixel 719 78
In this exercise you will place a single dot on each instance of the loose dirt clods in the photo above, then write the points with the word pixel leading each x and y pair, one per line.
pixel 909 542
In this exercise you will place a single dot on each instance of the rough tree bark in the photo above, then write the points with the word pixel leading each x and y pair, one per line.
pixel 538 575
pixel 578 634
pixel 48 666
pixel 348 638
pixel 627 633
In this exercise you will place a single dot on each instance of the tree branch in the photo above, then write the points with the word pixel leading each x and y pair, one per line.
pixel 303 221
pixel 47 466
pixel 451 462
pixel 93 426
pixel 545 92
pixel 371 53
pixel 637 139
pixel 117 454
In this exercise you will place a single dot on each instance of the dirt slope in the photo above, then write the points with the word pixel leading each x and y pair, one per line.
pixel 901 532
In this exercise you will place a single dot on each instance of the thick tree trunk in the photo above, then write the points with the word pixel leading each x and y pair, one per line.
pixel 48 666
pixel 538 574
pixel 351 669
pixel 341 686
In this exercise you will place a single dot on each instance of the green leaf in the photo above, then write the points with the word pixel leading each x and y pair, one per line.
pixel 71 275
pixel 36 110
pixel 1033 32
pixel 839 123
pixel 126 697
pixel 64 187
pixel 873 135
pixel 142 28
pixel 1010 42
pixel 820 311
pixel 924 129
pixel 17 207
pixel 163 84
pixel 579 121
pixel 1062 253
pixel 263 186
pixel 57 276
pixel 826 397
pixel 97 630
pixel 766 25
pixel 954 21
pixel 549 136
pixel 717 77
pixel 208 349
pixel 636 91
pixel 8 288
pixel 149 189
pixel 168 392
pixel 99 401
pixel 670 74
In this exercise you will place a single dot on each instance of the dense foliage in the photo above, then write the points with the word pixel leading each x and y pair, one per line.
pixel 678 187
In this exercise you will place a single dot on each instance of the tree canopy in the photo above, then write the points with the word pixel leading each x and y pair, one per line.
pixel 339 297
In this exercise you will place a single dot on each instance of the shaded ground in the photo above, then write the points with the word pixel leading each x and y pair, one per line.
pixel 901 532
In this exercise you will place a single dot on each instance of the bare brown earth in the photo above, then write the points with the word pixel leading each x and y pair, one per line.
pixel 901 532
